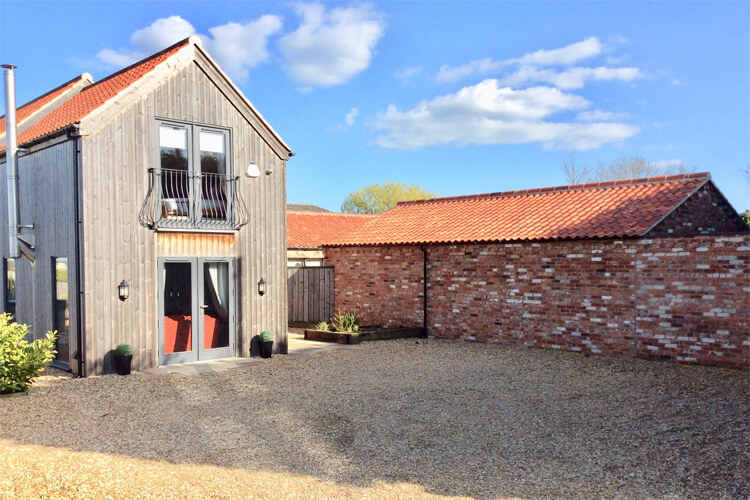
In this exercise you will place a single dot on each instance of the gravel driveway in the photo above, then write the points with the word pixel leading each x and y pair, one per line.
pixel 396 419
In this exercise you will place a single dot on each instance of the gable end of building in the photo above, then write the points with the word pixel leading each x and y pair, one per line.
pixel 704 212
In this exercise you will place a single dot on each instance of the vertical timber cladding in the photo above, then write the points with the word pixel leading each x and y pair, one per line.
pixel 116 159
pixel 45 200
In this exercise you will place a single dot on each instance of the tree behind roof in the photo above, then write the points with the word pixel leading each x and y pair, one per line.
pixel 377 198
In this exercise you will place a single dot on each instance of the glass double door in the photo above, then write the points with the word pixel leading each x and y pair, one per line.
pixel 196 309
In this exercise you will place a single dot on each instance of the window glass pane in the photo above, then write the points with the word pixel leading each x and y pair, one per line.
pixel 175 182
pixel 215 305
pixel 10 286
pixel 178 307
pixel 173 144
pixel 213 154
pixel 213 182
pixel 62 309
pixel 172 137
pixel 212 142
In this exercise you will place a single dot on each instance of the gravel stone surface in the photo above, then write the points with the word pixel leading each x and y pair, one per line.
pixel 395 419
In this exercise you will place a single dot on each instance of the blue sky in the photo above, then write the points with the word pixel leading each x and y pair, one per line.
pixel 458 97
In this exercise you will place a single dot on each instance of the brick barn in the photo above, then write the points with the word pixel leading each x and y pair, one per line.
pixel 656 268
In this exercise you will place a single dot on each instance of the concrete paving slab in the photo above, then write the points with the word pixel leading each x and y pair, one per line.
pixel 297 346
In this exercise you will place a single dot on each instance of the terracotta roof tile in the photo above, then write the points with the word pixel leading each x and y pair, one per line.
pixel 38 103
pixel 93 96
pixel 626 208
pixel 305 229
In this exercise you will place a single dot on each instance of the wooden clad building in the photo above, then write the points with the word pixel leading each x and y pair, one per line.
pixel 162 177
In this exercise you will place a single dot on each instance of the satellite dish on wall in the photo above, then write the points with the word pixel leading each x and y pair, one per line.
pixel 252 171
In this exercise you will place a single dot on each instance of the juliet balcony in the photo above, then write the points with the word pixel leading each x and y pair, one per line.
pixel 183 199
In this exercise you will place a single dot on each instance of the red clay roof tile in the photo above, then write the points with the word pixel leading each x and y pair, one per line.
pixel 626 208
pixel 38 103
pixel 93 96
pixel 306 229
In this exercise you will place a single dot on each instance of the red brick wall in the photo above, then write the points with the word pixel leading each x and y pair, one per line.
pixel 705 212
pixel 384 284
pixel 686 299
pixel 570 295
pixel 693 299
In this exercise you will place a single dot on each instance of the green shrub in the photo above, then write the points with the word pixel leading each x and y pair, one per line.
pixel 266 336
pixel 20 360
pixel 124 350
pixel 348 322
pixel 323 326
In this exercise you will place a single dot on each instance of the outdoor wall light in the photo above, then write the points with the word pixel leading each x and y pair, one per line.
pixel 123 290
pixel 262 287
pixel 252 171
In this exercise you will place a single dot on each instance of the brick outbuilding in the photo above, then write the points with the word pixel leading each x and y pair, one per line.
pixel 656 268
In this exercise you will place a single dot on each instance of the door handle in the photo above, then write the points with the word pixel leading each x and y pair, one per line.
pixel 203 306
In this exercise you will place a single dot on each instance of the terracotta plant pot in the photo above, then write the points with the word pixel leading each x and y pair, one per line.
pixel 122 364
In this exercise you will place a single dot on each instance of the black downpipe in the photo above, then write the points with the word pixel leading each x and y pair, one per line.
pixel 73 134
pixel 424 292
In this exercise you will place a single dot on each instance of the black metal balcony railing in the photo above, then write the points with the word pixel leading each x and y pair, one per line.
pixel 182 199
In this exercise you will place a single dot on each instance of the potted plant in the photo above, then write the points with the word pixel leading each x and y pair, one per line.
pixel 123 359
pixel 266 344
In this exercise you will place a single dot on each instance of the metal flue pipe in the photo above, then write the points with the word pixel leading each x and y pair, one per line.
pixel 11 159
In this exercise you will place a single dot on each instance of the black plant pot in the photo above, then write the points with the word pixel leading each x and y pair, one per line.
pixel 122 364
pixel 266 348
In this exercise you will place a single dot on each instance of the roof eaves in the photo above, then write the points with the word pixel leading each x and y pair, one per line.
pixel 478 240
pixel 38 140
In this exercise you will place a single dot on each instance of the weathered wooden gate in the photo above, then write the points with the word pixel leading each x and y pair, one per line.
pixel 310 294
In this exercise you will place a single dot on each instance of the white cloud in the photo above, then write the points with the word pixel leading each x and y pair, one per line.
pixel 239 47
pixel 405 74
pixel 331 47
pixel 479 67
pixel 571 78
pixel 351 116
pixel 236 47
pixel 564 56
pixel 117 59
pixel 349 120
pixel 161 34
pixel 488 114
pixel 598 115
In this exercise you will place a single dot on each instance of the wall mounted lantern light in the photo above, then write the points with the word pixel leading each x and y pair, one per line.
pixel 123 290
pixel 262 287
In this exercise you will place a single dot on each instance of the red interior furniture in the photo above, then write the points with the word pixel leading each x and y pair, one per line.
pixel 178 334
pixel 211 331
